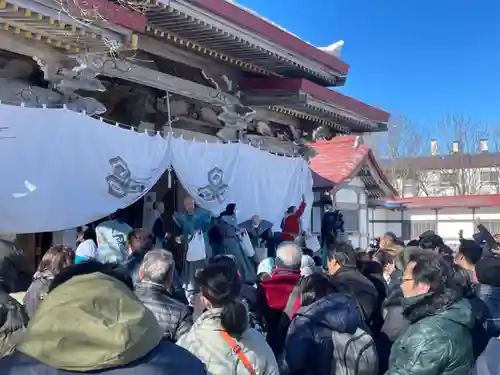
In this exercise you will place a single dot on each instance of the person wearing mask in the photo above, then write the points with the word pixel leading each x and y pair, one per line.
pixel 230 232
pixel 92 309
pixel 87 245
pixel 341 262
pixel 112 238
pixel 290 226
pixel 54 261
pixel 260 233
pixel 158 227
pixel 280 294
pixel 140 242
pixel 221 337
pixel 156 278
pixel 438 339
pixel 468 254
pixel 311 347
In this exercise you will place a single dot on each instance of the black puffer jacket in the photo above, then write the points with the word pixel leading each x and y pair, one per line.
pixel 175 318
pixel 351 282
pixel 308 346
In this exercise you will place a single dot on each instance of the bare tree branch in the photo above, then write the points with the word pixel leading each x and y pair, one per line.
pixel 466 135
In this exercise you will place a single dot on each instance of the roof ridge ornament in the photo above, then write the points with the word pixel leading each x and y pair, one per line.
pixel 334 49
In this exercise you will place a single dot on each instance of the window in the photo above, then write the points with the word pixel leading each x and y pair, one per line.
pixel 448 179
pixel 489 177
pixel 351 220
pixel 419 227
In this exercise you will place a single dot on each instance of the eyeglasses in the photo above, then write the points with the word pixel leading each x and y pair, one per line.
pixel 406 280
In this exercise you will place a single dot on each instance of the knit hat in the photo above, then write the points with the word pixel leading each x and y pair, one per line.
pixel 266 266
pixel 307 265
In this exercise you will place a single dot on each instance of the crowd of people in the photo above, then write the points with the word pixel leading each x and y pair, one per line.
pixel 396 309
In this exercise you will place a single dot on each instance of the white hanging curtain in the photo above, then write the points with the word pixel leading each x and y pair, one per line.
pixel 60 169
pixel 217 174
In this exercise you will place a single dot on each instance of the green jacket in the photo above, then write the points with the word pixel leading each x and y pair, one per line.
pixel 90 323
pixel 439 344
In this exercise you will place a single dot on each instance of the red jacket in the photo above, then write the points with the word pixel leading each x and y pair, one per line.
pixel 278 288
pixel 291 224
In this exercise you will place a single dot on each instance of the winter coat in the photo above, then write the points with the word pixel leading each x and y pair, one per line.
pixel 395 323
pixel 255 317
pixel 488 362
pixel 351 282
pixel 175 318
pixel 13 321
pixel 94 324
pixel 490 295
pixel 373 272
pixel 291 224
pixel 133 264
pixel 438 341
pixel 14 273
pixel 273 296
pixel 205 342
pixel 37 291
pixel 308 346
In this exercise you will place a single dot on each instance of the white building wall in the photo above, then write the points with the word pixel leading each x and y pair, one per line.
pixel 352 200
pixel 383 220
pixel 446 222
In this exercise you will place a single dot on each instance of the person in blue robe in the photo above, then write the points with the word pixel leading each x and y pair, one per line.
pixel 191 220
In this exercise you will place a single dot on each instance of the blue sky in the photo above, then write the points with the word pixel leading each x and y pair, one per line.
pixel 418 58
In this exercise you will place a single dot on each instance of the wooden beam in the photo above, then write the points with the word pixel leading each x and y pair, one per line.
pixel 115 68
pixel 266 98
pixel 264 114
pixel 167 51
pixel 28 47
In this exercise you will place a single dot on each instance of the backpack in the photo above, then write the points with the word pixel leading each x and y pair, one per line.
pixel 354 354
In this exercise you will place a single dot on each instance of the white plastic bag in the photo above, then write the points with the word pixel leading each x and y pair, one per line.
pixel 196 248
pixel 261 253
pixel 312 243
pixel 246 244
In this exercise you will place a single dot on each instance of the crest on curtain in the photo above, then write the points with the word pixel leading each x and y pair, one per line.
pixel 120 182
pixel 216 188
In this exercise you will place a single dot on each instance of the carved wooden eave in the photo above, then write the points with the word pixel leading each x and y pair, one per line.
pixel 42 22
pixel 115 68
pixel 196 25
pixel 306 100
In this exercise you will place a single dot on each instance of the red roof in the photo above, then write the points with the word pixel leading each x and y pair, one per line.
pixel 457 201
pixel 318 92
pixel 113 13
pixel 339 160
pixel 245 19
